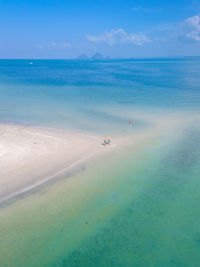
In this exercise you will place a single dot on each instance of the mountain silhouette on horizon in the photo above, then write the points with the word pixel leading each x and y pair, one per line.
pixel 96 56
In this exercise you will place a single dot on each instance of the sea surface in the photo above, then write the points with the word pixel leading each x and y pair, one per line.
pixel 136 207
pixel 77 94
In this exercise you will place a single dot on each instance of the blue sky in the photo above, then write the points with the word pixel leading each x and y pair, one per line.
pixel 116 28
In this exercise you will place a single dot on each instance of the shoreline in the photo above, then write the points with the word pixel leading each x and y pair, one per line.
pixel 55 153
pixel 32 156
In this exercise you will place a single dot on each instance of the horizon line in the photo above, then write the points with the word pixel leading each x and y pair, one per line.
pixel 103 59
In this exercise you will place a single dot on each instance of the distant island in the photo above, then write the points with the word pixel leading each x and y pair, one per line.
pixel 83 56
pixel 96 56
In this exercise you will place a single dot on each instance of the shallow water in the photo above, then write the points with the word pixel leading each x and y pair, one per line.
pixel 160 227
pixel 76 94
pixel 143 211
pixel 138 206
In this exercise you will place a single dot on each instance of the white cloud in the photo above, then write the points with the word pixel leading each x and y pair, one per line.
pixel 39 46
pixel 118 36
pixel 60 45
pixel 54 45
pixel 65 45
pixel 190 28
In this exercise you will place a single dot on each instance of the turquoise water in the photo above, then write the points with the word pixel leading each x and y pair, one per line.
pixel 136 207
pixel 77 94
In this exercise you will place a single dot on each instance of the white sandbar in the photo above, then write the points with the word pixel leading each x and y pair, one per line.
pixel 30 156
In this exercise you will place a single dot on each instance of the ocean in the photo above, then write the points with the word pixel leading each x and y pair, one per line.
pixel 72 93
pixel 136 207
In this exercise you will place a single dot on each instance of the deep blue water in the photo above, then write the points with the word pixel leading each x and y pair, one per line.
pixel 73 93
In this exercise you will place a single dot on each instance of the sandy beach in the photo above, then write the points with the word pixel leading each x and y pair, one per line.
pixel 30 156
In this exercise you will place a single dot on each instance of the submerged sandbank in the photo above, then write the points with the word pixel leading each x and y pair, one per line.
pixel 113 190
pixel 31 156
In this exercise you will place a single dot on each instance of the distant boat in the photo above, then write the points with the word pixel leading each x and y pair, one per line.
pixel 31 63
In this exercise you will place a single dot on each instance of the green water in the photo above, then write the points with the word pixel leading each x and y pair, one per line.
pixel 160 227
pixel 138 206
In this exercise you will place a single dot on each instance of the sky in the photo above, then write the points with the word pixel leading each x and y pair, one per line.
pixel 116 28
